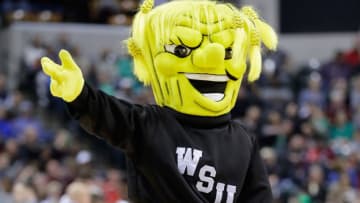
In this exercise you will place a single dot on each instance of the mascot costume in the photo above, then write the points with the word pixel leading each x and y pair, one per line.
pixel 194 54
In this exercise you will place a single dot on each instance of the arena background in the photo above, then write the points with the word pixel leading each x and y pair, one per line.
pixel 305 109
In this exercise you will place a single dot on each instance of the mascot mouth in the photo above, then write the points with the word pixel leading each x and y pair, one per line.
pixel 209 85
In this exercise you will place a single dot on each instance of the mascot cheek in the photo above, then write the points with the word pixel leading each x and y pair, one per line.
pixel 166 64
pixel 235 72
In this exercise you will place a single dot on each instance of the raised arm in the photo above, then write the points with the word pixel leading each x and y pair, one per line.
pixel 117 121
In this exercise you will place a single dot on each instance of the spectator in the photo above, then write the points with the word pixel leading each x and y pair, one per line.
pixel 342 127
pixel 6 129
pixel 23 193
pixel 271 129
pixel 112 186
pixel 319 122
pixel 77 192
pixel 315 185
pixel 313 94
pixel 293 165
pixel 30 146
pixel 342 191
pixel 63 42
pixel 252 119
pixel 355 94
pixel 5 188
pixel 33 52
pixel 334 69
pixel 337 99
pixel 3 89
pixel 53 190
pixel 352 57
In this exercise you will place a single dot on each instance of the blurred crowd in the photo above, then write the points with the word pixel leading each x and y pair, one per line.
pixel 44 155
pixel 307 120
pixel 114 12
pixel 119 12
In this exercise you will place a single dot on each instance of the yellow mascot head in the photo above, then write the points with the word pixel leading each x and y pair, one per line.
pixel 194 53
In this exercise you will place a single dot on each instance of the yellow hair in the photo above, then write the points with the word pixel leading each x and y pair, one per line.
pixel 147 6
pixel 267 34
pixel 260 32
pixel 135 51
pixel 152 28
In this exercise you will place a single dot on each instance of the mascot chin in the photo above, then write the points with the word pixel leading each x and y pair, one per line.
pixel 186 148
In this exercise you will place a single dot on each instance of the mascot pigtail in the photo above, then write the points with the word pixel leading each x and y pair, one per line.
pixel 259 32
pixel 239 47
pixel 255 56
pixel 267 34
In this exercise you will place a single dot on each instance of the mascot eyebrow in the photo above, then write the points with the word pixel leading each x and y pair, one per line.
pixel 152 29
pixel 186 36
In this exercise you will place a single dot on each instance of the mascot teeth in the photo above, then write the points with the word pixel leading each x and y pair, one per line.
pixel 207 77
pixel 214 96
pixel 210 86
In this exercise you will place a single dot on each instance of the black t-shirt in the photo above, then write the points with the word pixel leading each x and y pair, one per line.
pixel 175 157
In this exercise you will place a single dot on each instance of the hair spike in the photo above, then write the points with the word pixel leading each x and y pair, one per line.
pixel 267 34
pixel 139 66
pixel 133 48
pixel 250 12
pixel 254 38
pixel 255 55
pixel 238 21
pixel 255 63
pixel 239 52
pixel 146 6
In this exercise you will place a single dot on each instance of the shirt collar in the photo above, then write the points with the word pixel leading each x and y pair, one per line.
pixel 200 121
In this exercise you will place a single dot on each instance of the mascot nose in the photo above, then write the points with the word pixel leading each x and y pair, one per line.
pixel 209 57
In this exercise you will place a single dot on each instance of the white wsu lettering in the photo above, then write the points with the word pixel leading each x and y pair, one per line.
pixel 187 161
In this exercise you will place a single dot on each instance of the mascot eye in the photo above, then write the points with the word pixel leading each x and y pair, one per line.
pixel 178 50
pixel 228 53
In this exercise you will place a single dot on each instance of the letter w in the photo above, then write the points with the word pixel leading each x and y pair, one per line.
pixel 187 160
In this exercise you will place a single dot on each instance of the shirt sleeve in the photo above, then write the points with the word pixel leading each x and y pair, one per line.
pixel 116 121
pixel 256 186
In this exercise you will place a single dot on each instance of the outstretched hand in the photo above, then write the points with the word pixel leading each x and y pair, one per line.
pixel 66 79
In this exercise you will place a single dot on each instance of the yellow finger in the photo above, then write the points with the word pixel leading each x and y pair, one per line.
pixel 67 60
pixel 51 68
pixel 55 88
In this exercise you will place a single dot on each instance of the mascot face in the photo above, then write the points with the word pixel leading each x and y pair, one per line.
pixel 196 69
pixel 193 53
